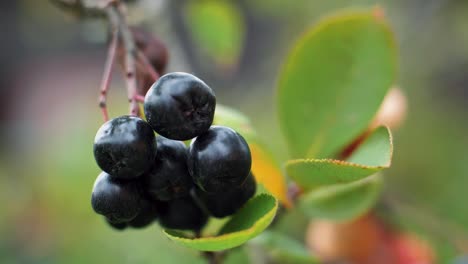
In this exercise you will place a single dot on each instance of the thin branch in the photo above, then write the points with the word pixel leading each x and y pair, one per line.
pixel 140 98
pixel 117 18
pixel 148 66
pixel 107 75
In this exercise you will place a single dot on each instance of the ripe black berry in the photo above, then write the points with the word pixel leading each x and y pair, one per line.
pixel 223 204
pixel 182 213
pixel 169 177
pixel 125 147
pixel 219 159
pixel 117 226
pixel 180 106
pixel 146 215
pixel 117 200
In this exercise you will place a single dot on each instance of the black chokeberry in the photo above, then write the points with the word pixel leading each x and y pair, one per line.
pixel 223 204
pixel 125 147
pixel 219 159
pixel 169 177
pixel 117 226
pixel 182 213
pixel 119 201
pixel 146 215
pixel 180 106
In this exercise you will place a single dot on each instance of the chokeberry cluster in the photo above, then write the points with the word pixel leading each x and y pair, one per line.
pixel 148 177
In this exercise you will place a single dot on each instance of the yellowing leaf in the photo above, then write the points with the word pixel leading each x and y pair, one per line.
pixel 268 172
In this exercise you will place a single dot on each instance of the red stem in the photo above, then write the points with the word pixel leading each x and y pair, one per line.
pixel 116 15
pixel 107 75
pixel 149 67
pixel 140 98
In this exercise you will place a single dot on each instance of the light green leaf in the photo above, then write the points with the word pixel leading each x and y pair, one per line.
pixel 217 28
pixel 342 201
pixel 236 120
pixel 333 82
pixel 373 155
pixel 283 249
pixel 247 223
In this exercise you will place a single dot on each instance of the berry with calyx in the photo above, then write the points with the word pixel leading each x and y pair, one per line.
pixel 182 214
pixel 219 159
pixel 146 216
pixel 125 147
pixel 223 204
pixel 117 226
pixel 169 177
pixel 180 106
pixel 119 201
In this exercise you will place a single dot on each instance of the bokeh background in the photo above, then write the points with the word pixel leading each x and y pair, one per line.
pixel 51 66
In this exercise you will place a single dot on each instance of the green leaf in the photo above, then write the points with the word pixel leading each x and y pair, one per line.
pixel 373 155
pixel 217 28
pixel 283 249
pixel 333 82
pixel 342 201
pixel 247 223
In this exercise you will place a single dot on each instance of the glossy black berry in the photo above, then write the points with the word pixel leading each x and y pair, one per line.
pixel 180 106
pixel 183 214
pixel 117 200
pixel 169 177
pixel 219 159
pixel 223 204
pixel 125 147
pixel 117 226
pixel 146 216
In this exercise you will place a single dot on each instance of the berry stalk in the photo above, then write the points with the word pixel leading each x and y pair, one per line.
pixel 107 76
pixel 117 20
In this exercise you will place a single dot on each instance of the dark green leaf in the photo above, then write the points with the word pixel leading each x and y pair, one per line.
pixel 334 81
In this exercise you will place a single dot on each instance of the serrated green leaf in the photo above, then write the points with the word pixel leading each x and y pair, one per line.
pixel 217 28
pixel 247 223
pixel 333 82
pixel 283 249
pixel 342 201
pixel 373 155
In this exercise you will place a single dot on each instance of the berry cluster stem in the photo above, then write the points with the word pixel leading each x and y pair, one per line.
pixel 149 67
pixel 116 16
pixel 107 76
pixel 120 30
pixel 213 257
